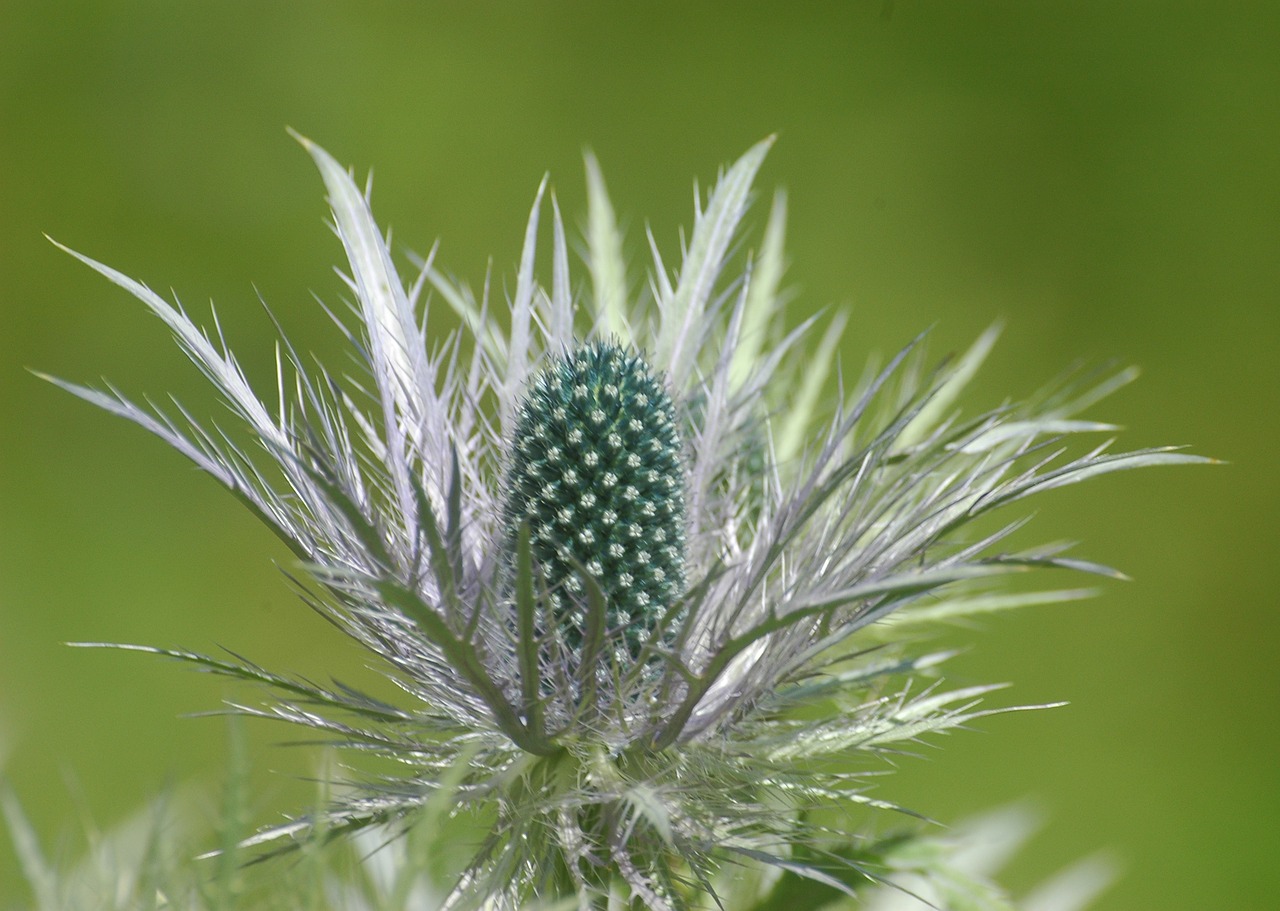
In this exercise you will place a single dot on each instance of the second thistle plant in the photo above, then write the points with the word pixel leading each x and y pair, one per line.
pixel 624 563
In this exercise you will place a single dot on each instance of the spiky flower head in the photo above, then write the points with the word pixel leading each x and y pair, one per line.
pixel 597 478
pixel 650 718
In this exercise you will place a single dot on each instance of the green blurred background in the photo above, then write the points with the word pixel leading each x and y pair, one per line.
pixel 1103 176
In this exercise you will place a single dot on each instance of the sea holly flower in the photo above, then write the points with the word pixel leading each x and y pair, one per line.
pixel 624 559
pixel 598 480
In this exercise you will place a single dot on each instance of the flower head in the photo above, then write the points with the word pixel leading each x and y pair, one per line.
pixel 597 478
pixel 624 559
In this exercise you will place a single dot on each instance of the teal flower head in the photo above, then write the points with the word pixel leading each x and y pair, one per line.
pixel 598 480
pixel 641 582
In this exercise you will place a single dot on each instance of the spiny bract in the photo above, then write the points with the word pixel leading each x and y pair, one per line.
pixel 597 476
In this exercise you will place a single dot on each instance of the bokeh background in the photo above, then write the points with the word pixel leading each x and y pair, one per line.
pixel 1102 176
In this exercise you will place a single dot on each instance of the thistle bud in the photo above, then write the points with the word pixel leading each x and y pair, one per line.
pixel 596 474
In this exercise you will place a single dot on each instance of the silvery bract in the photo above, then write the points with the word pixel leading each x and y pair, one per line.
pixel 623 553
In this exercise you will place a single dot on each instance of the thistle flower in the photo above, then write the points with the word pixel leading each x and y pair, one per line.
pixel 623 559
pixel 597 480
